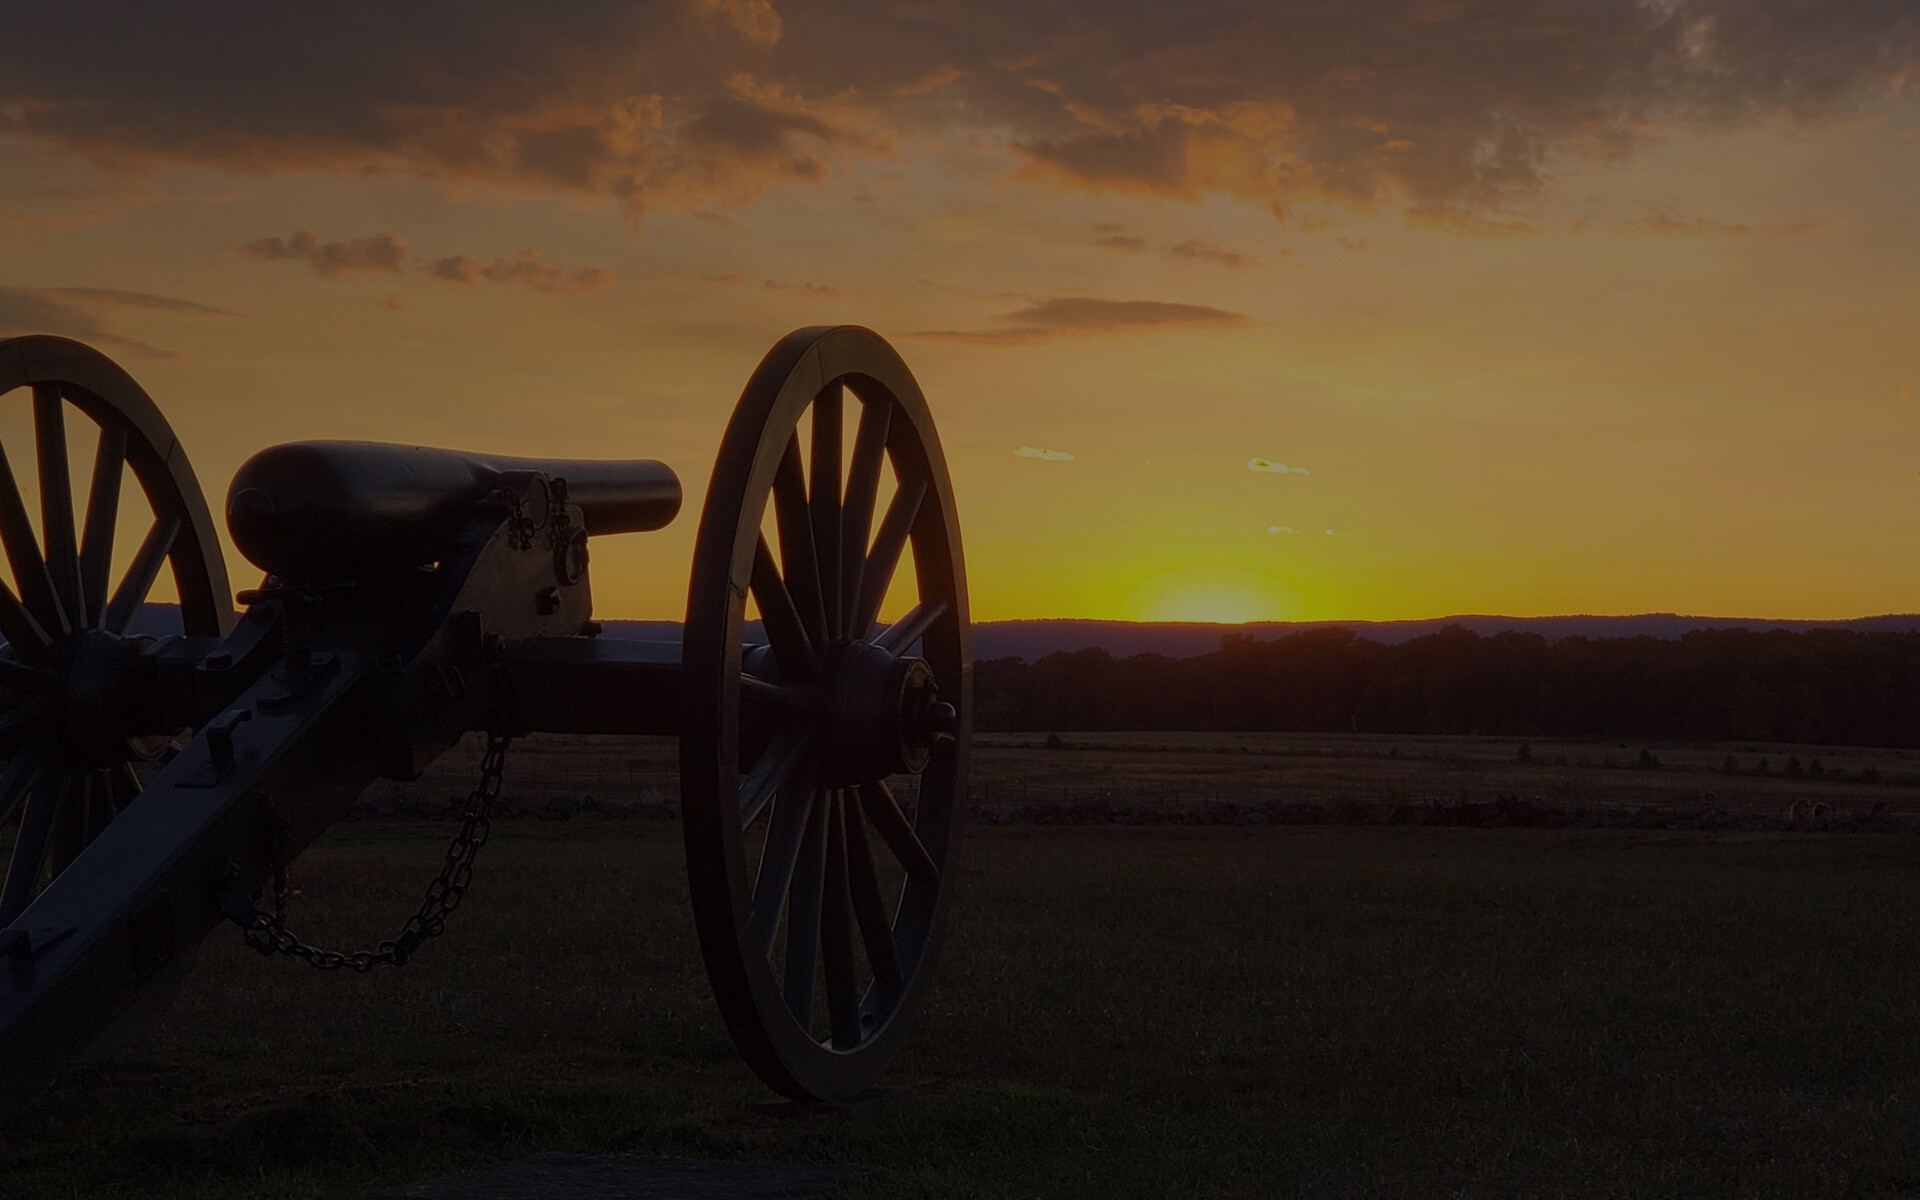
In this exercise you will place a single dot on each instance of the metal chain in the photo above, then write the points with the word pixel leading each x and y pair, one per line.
pixel 268 933
pixel 520 531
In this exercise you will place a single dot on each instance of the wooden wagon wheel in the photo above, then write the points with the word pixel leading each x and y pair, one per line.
pixel 66 620
pixel 820 939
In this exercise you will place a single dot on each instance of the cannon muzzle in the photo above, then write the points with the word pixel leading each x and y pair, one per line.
pixel 354 510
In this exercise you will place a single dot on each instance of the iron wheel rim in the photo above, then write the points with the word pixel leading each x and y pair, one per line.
pixel 758 471
pixel 65 598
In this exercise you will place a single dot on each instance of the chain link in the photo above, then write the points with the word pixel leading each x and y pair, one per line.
pixel 268 933
pixel 520 527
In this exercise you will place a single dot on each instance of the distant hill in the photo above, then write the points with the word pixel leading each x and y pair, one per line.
pixel 1030 640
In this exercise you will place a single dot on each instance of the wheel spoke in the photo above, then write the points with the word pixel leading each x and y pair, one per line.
pixel 775 770
pixel 21 629
pixel 769 695
pixel 69 836
pixel 836 934
pixel 792 648
pixel 56 500
pixel 99 803
pixel 779 856
pixel 803 913
pixel 876 928
pixel 856 519
pixel 103 512
pixel 908 629
pixel 145 568
pixel 799 564
pixel 19 773
pixel 30 847
pixel 14 728
pixel 877 573
pixel 883 811
pixel 23 555
pixel 23 678
pixel 123 786
pixel 823 503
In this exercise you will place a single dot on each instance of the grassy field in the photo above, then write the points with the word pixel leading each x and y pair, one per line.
pixel 1123 1012
pixel 1194 770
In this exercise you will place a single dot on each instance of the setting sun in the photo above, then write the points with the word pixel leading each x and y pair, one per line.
pixel 1213 596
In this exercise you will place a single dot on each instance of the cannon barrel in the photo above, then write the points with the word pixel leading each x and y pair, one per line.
pixel 335 509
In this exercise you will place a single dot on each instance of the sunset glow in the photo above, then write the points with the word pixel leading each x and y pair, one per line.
pixel 1225 597
pixel 1606 310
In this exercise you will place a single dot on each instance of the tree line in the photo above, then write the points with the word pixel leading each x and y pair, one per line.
pixel 1821 686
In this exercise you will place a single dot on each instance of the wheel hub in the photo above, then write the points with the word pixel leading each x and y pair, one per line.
pixel 883 714
pixel 83 698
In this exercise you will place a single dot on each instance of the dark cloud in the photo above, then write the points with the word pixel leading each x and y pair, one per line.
pixel 69 312
pixel 527 267
pixel 1460 108
pixel 1085 316
pixel 1202 250
pixel 381 254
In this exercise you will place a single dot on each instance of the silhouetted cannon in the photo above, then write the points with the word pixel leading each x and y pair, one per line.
pixel 162 784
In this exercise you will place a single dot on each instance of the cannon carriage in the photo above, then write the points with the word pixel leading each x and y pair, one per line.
pixel 158 787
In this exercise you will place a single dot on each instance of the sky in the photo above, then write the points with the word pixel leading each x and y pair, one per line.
pixel 1226 310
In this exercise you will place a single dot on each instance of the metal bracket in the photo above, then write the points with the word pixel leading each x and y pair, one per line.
pixel 291 683
pixel 220 753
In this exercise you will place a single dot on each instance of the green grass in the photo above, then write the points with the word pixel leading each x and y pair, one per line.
pixel 1122 1012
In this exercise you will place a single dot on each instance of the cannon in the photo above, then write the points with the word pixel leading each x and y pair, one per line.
pixel 158 786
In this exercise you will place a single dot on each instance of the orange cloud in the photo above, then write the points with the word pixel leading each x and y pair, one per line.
pixel 526 267
pixel 1461 110
pixel 1085 316
pixel 386 254
pixel 1459 219
pixel 1116 237
pixel 754 20
pixel 805 291
pixel 168 304
pixel 1662 222
pixel 1201 250
pixel 932 81
pixel 381 254
pixel 732 147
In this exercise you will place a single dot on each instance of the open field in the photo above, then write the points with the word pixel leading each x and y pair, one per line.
pixel 1194 770
pixel 1123 1012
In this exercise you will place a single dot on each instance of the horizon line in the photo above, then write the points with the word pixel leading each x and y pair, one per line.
pixel 1587 616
